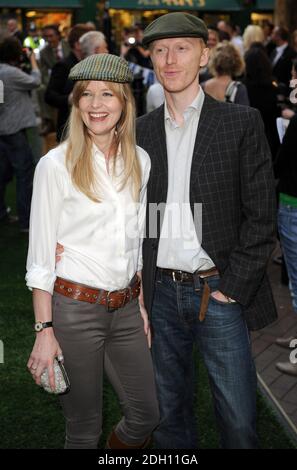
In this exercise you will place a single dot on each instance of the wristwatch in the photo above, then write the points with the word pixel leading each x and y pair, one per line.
pixel 39 326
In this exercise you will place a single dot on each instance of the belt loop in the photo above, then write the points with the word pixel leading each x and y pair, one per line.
pixel 197 282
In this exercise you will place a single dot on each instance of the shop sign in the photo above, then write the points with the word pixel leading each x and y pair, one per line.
pixel 176 4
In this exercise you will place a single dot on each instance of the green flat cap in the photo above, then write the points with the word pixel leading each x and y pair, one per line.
pixel 175 25
pixel 103 67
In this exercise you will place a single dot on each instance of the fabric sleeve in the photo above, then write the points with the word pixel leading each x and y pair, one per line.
pixel 24 81
pixel 142 209
pixel 46 208
pixel 248 260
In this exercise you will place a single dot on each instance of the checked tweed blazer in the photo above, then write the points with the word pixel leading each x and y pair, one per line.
pixel 232 177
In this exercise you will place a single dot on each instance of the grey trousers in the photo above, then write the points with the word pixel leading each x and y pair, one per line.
pixel 93 339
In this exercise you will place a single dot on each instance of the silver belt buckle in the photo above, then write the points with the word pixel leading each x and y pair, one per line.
pixel 108 308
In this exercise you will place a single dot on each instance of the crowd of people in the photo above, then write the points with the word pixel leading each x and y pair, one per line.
pixel 207 134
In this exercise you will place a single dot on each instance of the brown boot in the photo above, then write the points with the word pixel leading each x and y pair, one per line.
pixel 113 442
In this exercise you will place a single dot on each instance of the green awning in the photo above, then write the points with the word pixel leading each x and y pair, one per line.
pixel 264 5
pixel 203 5
pixel 36 4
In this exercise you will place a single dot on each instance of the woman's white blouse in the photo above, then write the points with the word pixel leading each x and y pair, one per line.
pixel 102 241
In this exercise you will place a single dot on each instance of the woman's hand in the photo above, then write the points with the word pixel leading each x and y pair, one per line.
pixel 146 324
pixel 45 349
pixel 59 252
pixel 143 312
pixel 221 297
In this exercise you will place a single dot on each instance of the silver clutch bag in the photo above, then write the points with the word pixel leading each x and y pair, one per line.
pixel 61 379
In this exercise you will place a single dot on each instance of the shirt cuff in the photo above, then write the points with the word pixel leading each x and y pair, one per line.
pixel 38 277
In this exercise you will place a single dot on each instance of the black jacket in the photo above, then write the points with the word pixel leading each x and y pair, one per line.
pixel 282 69
pixel 232 177
pixel 59 89
pixel 286 162
pixel 264 97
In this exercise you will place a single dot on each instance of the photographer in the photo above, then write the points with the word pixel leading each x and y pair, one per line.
pixel 16 116
pixel 132 49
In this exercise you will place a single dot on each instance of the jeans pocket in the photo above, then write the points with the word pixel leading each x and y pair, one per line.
pixel 221 302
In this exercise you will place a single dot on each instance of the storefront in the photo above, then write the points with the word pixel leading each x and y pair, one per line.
pixel 263 10
pixel 40 12
pixel 125 13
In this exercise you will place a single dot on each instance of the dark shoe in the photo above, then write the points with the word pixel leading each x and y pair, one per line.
pixel 113 442
pixel 285 342
pixel 287 368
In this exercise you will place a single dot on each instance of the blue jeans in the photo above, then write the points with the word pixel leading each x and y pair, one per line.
pixel 287 227
pixel 15 153
pixel 223 341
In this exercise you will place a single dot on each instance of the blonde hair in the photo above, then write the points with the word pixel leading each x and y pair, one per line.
pixel 252 33
pixel 79 160
pixel 226 60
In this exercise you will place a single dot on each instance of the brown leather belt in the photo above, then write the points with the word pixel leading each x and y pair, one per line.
pixel 111 299
pixel 183 276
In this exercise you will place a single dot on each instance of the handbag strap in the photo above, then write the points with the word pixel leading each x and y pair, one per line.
pixel 231 91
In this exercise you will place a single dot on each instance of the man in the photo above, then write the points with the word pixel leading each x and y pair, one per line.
pixel 16 117
pixel 34 41
pixel 212 153
pixel 286 172
pixel 56 50
pixel 59 89
pixel 93 42
pixel 281 57
pixel 13 30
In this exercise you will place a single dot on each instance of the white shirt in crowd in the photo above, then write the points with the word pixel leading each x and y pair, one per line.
pixel 237 41
pixel 278 53
pixel 102 241
pixel 155 97
pixel 179 247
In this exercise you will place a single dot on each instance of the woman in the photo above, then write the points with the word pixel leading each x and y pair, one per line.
pixel 17 117
pixel 85 197
pixel 286 171
pixel 252 33
pixel 225 65
pixel 262 91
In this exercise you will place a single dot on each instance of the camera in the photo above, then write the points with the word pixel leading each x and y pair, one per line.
pixel 27 51
pixel 25 62
pixel 131 41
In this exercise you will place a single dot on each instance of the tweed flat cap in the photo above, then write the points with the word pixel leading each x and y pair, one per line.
pixel 175 25
pixel 105 67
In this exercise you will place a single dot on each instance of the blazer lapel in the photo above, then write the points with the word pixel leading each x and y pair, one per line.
pixel 208 123
pixel 158 137
pixel 159 151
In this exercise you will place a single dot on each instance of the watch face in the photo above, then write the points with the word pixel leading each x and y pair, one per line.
pixel 38 326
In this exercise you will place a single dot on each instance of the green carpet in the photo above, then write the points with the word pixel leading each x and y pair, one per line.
pixel 30 418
